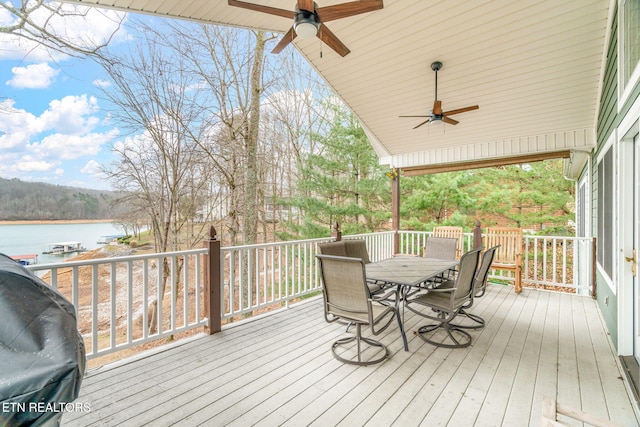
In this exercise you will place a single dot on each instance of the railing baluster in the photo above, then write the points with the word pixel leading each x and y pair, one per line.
pixel 129 302
pixel 94 309
pixel 174 289
pixel 185 291
pixel 159 297
pixel 145 298
pixel 112 301
pixel 75 288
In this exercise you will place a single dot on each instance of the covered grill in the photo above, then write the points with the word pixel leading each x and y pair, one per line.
pixel 42 355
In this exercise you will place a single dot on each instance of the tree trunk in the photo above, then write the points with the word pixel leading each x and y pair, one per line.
pixel 251 143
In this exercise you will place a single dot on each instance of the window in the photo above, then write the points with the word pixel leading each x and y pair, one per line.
pixel 605 212
pixel 630 39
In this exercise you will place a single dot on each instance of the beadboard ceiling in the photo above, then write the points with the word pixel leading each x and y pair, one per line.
pixel 533 67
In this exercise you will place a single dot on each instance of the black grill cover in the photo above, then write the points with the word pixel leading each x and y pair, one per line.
pixel 42 355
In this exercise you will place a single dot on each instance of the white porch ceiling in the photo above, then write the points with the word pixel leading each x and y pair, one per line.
pixel 533 67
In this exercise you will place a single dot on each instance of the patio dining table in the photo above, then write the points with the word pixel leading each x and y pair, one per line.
pixel 407 272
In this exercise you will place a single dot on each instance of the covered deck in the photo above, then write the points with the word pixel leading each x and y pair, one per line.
pixel 277 369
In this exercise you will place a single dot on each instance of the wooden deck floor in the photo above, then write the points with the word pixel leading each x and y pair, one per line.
pixel 278 370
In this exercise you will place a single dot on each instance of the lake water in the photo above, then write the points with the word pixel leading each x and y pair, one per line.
pixel 32 238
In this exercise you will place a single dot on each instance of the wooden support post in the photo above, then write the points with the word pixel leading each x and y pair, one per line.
pixel 213 288
pixel 477 236
pixel 336 233
pixel 395 209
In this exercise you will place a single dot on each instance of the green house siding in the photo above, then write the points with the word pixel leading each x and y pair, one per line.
pixel 608 303
pixel 609 118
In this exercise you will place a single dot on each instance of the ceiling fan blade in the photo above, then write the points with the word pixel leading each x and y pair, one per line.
pixel 261 8
pixel 423 123
pixel 332 41
pixel 449 120
pixel 286 39
pixel 305 5
pixel 329 13
pixel 437 107
pixel 461 110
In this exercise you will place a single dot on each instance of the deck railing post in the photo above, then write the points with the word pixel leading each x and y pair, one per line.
pixel 336 233
pixel 395 208
pixel 477 236
pixel 212 291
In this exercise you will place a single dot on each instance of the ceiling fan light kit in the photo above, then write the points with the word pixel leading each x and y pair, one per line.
pixel 436 116
pixel 305 24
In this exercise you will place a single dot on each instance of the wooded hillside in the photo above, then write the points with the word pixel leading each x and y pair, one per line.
pixel 21 200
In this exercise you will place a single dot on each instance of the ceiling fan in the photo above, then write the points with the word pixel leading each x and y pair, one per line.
pixel 436 115
pixel 309 19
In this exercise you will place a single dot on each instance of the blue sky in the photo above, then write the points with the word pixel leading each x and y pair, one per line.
pixel 53 125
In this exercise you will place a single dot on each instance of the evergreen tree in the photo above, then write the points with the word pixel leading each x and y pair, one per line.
pixel 533 195
pixel 438 199
pixel 343 183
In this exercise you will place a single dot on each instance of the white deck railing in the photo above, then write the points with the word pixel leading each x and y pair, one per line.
pixel 117 298
pixel 548 261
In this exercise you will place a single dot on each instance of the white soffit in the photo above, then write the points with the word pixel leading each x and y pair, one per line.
pixel 533 68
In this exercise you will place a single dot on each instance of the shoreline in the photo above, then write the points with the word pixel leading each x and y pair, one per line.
pixel 55 221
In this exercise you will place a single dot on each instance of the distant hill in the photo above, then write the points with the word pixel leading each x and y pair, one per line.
pixel 20 200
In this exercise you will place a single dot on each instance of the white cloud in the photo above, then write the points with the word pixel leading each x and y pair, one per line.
pixel 16 126
pixel 82 25
pixel 102 83
pixel 34 76
pixel 28 164
pixel 71 114
pixel 91 168
pixel 65 131
pixel 69 147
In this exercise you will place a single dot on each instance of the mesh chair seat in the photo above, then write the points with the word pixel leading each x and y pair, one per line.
pixel 479 287
pixel 347 298
pixel 447 300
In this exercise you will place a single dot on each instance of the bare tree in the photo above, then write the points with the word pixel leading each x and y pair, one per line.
pixel 40 22
pixel 230 64
pixel 159 166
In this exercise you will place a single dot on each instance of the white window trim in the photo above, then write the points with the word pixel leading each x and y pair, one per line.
pixel 624 91
pixel 609 145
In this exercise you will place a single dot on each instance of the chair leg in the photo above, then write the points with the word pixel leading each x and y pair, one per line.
pixel 359 339
pixel 459 337
pixel 478 321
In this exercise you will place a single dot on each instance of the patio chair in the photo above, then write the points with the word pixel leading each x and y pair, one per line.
pixel 446 300
pixel 353 248
pixel 357 248
pixel 441 248
pixel 333 248
pixel 347 298
pixel 452 233
pixel 509 256
pixel 479 288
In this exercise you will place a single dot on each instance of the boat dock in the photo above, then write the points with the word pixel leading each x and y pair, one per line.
pixel 26 259
pixel 63 248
